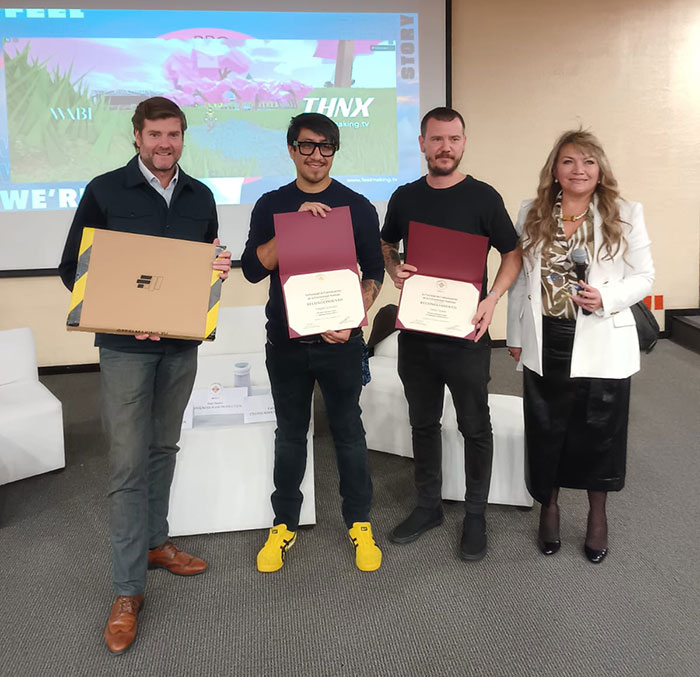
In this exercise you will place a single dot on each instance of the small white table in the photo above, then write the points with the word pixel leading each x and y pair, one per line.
pixel 223 476
pixel 385 417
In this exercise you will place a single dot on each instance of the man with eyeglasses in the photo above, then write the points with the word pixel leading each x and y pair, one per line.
pixel 333 359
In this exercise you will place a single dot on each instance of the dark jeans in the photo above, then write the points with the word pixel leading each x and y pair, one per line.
pixel 144 396
pixel 426 365
pixel 293 370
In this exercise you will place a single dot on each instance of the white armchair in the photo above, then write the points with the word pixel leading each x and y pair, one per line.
pixel 385 417
pixel 223 476
pixel 31 417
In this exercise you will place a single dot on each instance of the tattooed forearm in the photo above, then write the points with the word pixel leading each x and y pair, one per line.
pixel 391 254
pixel 370 291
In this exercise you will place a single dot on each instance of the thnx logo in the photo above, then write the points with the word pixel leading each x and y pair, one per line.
pixel 150 282
pixel 335 107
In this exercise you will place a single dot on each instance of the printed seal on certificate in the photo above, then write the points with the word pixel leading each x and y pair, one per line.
pixel 323 301
pixel 438 306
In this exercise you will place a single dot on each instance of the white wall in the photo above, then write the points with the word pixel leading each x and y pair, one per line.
pixel 628 70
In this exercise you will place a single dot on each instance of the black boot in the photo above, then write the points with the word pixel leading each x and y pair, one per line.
pixel 416 524
pixel 473 545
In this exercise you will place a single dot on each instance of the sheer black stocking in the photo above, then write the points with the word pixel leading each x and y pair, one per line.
pixel 597 531
pixel 549 519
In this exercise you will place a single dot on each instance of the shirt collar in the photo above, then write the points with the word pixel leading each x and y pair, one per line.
pixel 151 177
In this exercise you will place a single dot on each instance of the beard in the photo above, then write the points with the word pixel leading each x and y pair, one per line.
pixel 438 170
pixel 315 174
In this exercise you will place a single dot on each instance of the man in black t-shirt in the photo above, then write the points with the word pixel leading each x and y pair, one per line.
pixel 333 358
pixel 429 362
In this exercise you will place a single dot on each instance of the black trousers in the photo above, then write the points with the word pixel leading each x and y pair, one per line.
pixel 575 428
pixel 426 365
pixel 293 369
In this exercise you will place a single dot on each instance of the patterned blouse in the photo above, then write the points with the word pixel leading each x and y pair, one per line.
pixel 559 278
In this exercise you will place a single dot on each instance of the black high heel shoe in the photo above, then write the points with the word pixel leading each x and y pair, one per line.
pixel 548 547
pixel 546 525
pixel 595 556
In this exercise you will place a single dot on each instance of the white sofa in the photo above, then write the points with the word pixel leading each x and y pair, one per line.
pixel 31 417
pixel 385 417
pixel 223 475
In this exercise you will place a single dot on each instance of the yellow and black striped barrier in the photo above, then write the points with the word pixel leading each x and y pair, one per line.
pixel 81 272
pixel 214 298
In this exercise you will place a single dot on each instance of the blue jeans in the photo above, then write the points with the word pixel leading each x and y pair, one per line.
pixel 144 396
pixel 293 370
pixel 426 365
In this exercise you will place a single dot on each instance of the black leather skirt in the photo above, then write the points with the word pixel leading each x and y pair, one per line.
pixel 575 428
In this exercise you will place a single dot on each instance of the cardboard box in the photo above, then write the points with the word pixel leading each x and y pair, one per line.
pixel 140 284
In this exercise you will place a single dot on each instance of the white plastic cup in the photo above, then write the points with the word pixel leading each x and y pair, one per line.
pixel 241 375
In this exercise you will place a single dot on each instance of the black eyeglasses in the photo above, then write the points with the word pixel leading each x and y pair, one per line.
pixel 308 148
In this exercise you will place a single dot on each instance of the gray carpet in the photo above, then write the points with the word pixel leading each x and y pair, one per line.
pixel 516 613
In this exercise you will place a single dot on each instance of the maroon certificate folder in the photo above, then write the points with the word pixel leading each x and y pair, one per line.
pixel 446 255
pixel 318 271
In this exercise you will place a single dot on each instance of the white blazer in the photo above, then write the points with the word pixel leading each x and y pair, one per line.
pixel 605 343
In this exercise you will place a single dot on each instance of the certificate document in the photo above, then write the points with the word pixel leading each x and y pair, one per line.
pixel 318 302
pixel 438 305
pixel 318 272
pixel 443 295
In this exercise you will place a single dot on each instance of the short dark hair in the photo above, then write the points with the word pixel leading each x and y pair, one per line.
pixel 317 123
pixel 443 114
pixel 157 108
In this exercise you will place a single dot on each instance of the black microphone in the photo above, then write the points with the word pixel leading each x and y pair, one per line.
pixel 578 256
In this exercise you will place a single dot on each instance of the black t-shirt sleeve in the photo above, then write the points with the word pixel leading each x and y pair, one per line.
pixel 502 235
pixel 392 231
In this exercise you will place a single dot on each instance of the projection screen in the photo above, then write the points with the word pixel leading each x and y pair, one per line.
pixel 70 79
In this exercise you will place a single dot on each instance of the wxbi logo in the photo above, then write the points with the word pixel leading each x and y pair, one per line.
pixel 76 114
pixel 150 282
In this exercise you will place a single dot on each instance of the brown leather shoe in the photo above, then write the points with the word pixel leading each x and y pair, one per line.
pixel 167 556
pixel 120 631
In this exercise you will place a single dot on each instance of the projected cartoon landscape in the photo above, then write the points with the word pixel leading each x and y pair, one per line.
pixel 70 101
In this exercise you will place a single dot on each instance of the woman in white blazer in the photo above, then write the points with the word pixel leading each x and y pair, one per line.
pixel 577 339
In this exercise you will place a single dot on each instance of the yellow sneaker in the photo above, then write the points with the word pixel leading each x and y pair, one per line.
pixel 271 556
pixel 368 556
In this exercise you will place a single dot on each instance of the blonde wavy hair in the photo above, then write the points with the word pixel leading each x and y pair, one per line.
pixel 540 225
